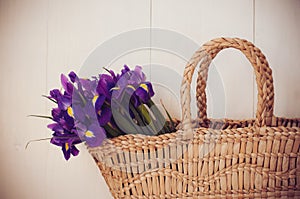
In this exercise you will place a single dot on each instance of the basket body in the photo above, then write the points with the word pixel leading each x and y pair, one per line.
pixel 205 158
pixel 238 161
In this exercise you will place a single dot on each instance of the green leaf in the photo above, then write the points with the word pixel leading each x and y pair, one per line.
pixel 147 127
pixel 169 116
pixel 106 69
pixel 49 98
pixel 114 132
pixel 137 117
pixel 145 113
pixel 41 116
pixel 125 98
pixel 150 121
pixel 124 120
pixel 160 119
pixel 124 123
pixel 38 140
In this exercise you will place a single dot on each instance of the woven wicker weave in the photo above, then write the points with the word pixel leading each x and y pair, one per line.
pixel 256 158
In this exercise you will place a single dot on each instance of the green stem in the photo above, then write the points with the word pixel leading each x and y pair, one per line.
pixel 125 121
pixel 137 117
pixel 158 116
pixel 147 117
pixel 114 132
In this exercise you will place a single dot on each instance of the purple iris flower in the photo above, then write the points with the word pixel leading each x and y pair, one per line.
pixel 75 117
pixel 133 82
pixel 68 86
pixel 64 127
pixel 87 116
pixel 137 76
pixel 61 115
pixel 73 77
pixel 103 110
pixel 65 138
pixel 144 92
pixel 67 142
pixel 125 70
pixel 83 112
pixel 93 134
pixel 63 101
pixel 89 88
pixel 105 84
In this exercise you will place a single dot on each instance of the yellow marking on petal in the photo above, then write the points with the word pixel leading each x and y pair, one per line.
pixel 70 111
pixel 144 86
pixel 99 112
pixel 130 86
pixel 89 134
pixel 67 146
pixel 95 99
pixel 115 88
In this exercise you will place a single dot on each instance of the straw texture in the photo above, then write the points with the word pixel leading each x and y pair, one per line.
pixel 208 158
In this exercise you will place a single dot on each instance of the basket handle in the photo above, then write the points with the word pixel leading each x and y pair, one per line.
pixel 206 54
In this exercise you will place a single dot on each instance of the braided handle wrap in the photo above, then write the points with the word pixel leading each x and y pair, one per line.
pixel 208 52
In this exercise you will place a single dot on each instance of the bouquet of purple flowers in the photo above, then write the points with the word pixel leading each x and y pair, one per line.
pixel 90 110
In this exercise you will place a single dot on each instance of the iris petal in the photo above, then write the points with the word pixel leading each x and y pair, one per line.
pixel 105 116
pixel 99 135
pixel 72 76
pixel 74 151
pixel 67 153
pixel 64 82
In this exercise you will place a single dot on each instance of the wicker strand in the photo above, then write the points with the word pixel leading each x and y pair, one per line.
pixel 238 164
pixel 208 52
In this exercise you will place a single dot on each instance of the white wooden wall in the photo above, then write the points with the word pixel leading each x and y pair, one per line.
pixel 39 39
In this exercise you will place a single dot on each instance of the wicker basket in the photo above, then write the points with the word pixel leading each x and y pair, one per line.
pixel 205 158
